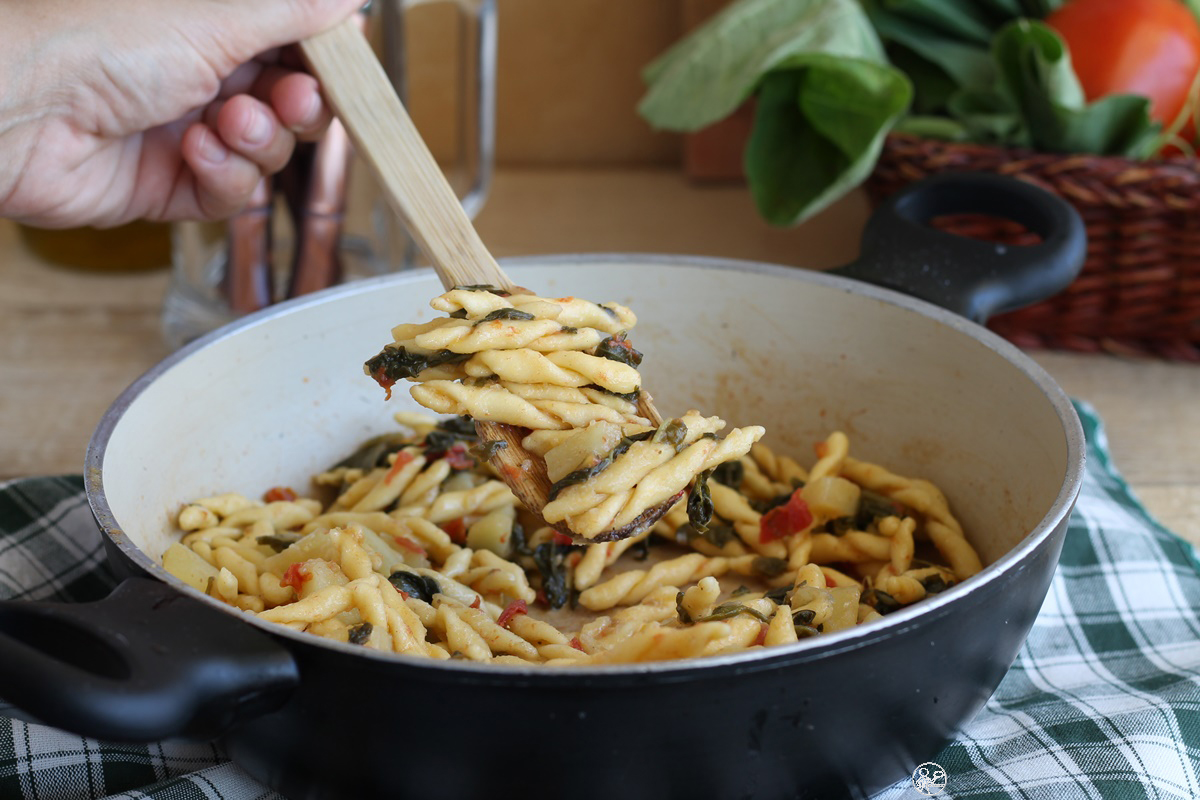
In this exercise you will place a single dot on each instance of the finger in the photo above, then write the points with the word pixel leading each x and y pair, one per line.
pixel 223 180
pixel 250 129
pixel 278 22
pixel 297 101
pixel 295 97
pixel 242 79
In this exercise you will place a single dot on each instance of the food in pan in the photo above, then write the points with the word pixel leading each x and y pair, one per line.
pixel 414 545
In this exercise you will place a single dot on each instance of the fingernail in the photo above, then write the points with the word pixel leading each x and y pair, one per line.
pixel 258 129
pixel 211 149
pixel 312 112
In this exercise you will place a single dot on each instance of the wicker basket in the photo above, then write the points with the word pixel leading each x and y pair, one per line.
pixel 1139 292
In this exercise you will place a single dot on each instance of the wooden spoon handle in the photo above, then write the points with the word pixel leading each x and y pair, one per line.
pixel 363 98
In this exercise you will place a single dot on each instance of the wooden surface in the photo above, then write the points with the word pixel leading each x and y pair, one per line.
pixel 70 341
pixel 567 80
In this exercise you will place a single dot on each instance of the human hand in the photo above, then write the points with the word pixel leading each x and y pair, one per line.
pixel 115 110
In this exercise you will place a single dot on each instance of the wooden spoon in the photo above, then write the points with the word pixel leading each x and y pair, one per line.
pixel 358 90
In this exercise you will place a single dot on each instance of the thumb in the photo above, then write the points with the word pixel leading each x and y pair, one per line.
pixel 265 24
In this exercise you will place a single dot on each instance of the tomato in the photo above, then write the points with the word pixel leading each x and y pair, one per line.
pixel 510 611
pixel 278 493
pixel 295 576
pixel 1145 47
pixel 782 521
pixel 408 544
pixel 402 458
pixel 458 457
pixel 457 530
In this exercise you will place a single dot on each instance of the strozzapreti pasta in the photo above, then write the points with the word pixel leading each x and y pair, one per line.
pixel 413 544
pixel 564 370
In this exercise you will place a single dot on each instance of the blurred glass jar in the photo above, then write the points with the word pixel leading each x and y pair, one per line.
pixel 132 247
pixel 322 220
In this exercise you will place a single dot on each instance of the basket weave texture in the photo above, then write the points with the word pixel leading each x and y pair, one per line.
pixel 1139 291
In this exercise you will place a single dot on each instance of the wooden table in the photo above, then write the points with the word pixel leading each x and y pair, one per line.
pixel 71 341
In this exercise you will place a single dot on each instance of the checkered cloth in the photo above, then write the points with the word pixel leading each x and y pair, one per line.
pixel 1103 701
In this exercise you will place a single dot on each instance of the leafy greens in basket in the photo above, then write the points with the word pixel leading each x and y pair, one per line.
pixel 831 78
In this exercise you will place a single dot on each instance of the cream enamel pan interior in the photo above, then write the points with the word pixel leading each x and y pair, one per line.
pixel 281 395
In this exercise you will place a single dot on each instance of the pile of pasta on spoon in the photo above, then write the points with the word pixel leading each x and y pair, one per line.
pixel 564 372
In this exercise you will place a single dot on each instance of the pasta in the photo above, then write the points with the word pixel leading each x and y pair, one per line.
pixel 564 370
pixel 413 545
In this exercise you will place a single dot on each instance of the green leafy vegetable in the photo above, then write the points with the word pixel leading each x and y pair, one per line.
pixel 729 473
pixel 393 363
pixel 934 583
pixel 880 600
pixel 684 617
pixel 486 451
pixel 717 535
pixel 730 610
pixel 826 96
pixel 415 585
pixel 1035 72
pixel 616 348
pixel 707 75
pixel 700 503
pixel 818 131
pixel 279 541
pixel 505 313
pixel 769 567
pixel 831 78
pixel 549 559
pixel 374 452
pixel 484 287
pixel 361 633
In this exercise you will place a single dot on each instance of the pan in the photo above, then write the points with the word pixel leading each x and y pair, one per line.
pixel 915 381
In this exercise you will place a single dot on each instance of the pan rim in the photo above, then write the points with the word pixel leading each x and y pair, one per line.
pixel 821 647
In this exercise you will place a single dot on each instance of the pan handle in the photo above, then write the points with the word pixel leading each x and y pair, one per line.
pixel 143 664
pixel 971 277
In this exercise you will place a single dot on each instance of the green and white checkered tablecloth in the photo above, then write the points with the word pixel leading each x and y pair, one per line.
pixel 1103 701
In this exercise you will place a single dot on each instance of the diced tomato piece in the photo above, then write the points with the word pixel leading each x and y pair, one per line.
pixel 478 601
pixel 295 576
pixel 458 457
pixel 560 538
pixel 830 583
pixel 457 529
pixel 578 645
pixel 762 634
pixel 408 544
pixel 380 376
pixel 277 493
pixel 402 458
pixel 785 520
pixel 510 611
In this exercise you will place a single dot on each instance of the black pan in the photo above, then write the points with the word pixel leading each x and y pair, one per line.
pixel 280 394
